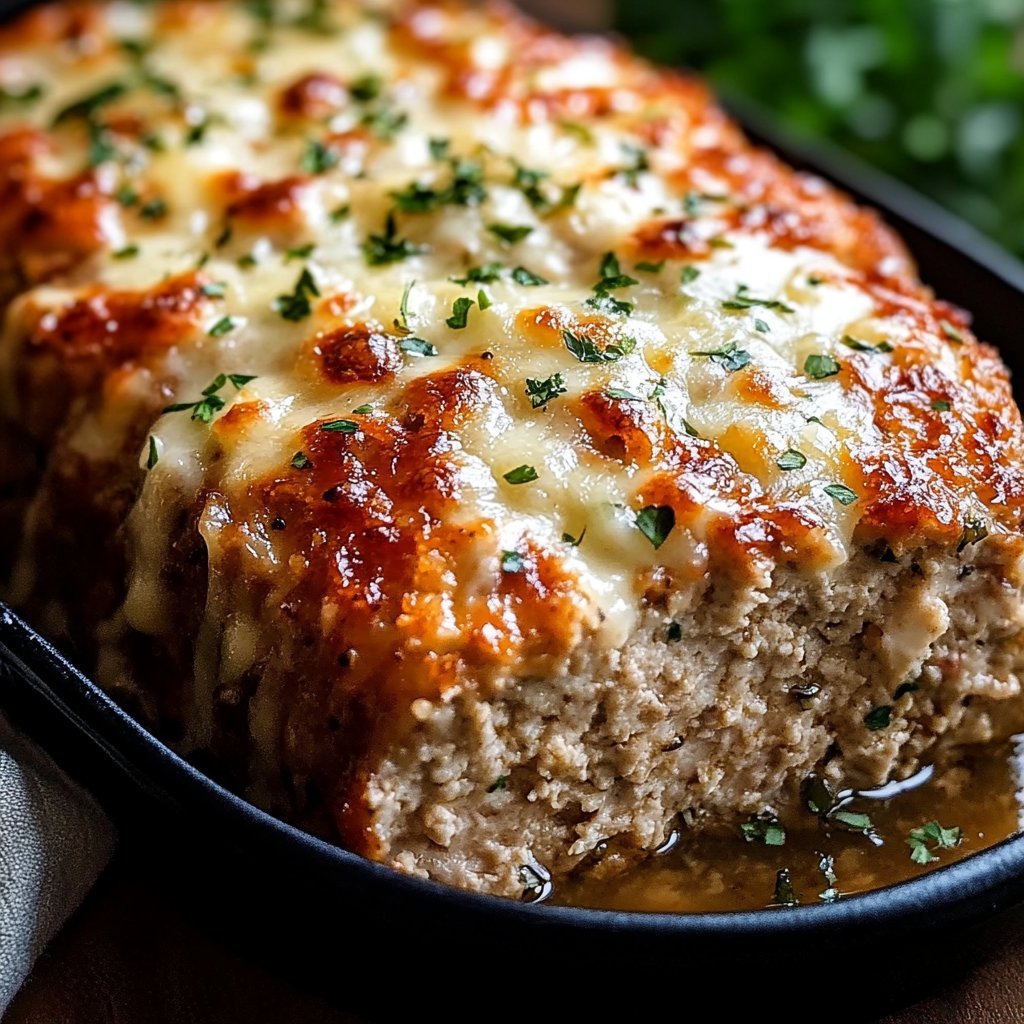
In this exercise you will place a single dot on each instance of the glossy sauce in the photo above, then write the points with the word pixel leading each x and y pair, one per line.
pixel 703 874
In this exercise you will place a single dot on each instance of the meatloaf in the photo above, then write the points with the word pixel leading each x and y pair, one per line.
pixel 461 440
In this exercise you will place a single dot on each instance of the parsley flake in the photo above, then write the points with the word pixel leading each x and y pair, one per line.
pixel 931 836
pixel 380 250
pixel 656 522
pixel 818 367
pixel 318 158
pixel 586 351
pixel 527 278
pixel 764 828
pixel 744 300
pixel 511 562
pixel 417 347
pixel 460 313
pixel 300 460
pixel 296 306
pixel 879 718
pixel 521 475
pixel 791 459
pixel 153 455
pixel 510 233
pixel 731 357
pixel 340 426
pixel 223 326
pixel 204 408
pixel 841 493
pixel 540 392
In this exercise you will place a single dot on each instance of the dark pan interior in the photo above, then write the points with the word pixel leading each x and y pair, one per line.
pixel 332 920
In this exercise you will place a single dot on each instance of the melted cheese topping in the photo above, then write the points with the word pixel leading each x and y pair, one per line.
pixel 515 310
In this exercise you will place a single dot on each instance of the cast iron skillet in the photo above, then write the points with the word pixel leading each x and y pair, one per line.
pixel 334 921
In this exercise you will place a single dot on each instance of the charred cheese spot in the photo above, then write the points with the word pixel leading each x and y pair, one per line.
pixel 314 96
pixel 274 206
pixel 358 353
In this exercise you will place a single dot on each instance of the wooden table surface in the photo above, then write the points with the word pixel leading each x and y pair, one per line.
pixel 129 956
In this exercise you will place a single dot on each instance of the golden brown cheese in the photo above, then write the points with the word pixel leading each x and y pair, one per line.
pixel 467 335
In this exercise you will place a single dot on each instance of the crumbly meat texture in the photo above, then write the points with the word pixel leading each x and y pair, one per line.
pixel 466 444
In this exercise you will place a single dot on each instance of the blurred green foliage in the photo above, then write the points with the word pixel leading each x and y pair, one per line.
pixel 932 91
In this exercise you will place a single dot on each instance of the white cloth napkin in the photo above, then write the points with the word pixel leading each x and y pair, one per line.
pixel 54 841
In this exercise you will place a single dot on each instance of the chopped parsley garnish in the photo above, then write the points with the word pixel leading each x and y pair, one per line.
pixel 586 351
pixel 791 459
pixel 126 253
pixel 381 250
pixel 853 821
pixel 622 395
pixel 31 93
pixel 574 542
pixel 974 530
pixel 841 493
pixel 865 346
pixel 656 522
pixel 510 233
pixel 299 252
pixel 417 347
pixel 940 405
pixel 223 326
pixel 730 356
pixel 89 104
pixel 910 686
pixel 499 783
pixel 581 131
pixel 297 306
pixel 511 562
pixel 527 278
pixel 153 455
pixel 153 209
pixel 385 122
pixel 339 213
pixel 401 322
pixel 533 882
pixel 760 326
pixel 101 146
pixel 647 267
pixel 817 794
pixel 363 410
pixel 951 332
pixel 521 475
pixel 764 829
pixel 318 157
pixel 224 237
pixel 366 88
pixel 744 300
pixel 827 867
pixel 544 196
pixel 488 273
pixel 818 367
pixel 126 195
pixel 636 165
pixel 340 427
pixel 465 189
pixel 612 279
pixel 460 313
pixel 785 894
pixel 879 717
pixel 483 300
pixel 300 460
pixel 204 408
pixel 930 837
pixel 439 148
pixel 540 392
pixel 689 274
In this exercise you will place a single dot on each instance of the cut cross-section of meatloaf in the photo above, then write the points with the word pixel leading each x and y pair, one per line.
pixel 464 442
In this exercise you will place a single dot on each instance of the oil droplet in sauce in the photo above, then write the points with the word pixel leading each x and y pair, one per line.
pixel 978 794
